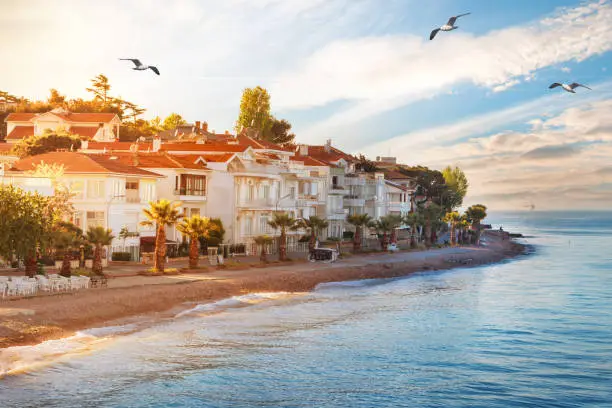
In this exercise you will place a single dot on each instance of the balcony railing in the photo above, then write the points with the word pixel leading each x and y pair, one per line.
pixel 189 192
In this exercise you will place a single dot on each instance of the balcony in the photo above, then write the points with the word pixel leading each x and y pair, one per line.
pixel 337 190
pixel 258 204
pixel 338 214
pixel 188 194
pixel 354 201
pixel 354 181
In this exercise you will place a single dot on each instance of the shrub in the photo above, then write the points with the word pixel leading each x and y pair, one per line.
pixel 121 256
pixel 304 238
pixel 81 272
pixel 333 239
pixel 40 268
pixel 15 264
pixel 348 234
pixel 47 260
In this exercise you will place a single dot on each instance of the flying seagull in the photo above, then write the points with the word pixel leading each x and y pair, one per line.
pixel 448 26
pixel 140 66
pixel 568 88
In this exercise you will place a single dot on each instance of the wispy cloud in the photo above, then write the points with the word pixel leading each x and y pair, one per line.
pixel 382 73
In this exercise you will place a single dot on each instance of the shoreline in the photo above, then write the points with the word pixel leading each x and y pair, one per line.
pixel 32 321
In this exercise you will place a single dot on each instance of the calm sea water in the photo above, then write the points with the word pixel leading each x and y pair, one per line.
pixel 532 332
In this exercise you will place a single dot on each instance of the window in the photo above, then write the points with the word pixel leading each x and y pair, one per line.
pixel 191 184
pixel 250 193
pixel 248 226
pixel 334 181
pixel 95 219
pixel 264 227
pixel 265 191
pixel 131 185
pixel 95 189
pixel 77 219
pixel 292 192
pixel 76 188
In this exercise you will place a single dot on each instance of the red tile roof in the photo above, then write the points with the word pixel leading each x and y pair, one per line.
pixel 84 131
pixel 19 117
pixel 78 163
pixel 118 146
pixel 333 155
pixel 203 147
pixel 156 160
pixel 19 132
pixel 217 158
pixel 5 147
pixel 308 161
pixel 69 117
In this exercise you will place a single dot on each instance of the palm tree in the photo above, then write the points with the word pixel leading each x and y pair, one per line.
pixel 283 221
pixel 415 220
pixel 99 237
pixel 383 226
pixel 453 218
pixel 475 214
pixel 359 221
pixel 463 226
pixel 64 237
pixel 431 214
pixel 263 240
pixel 195 227
pixel 314 225
pixel 160 214
pixel 395 222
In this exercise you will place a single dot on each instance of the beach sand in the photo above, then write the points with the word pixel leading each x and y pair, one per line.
pixel 33 320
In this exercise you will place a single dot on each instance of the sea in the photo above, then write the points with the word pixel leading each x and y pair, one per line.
pixel 534 331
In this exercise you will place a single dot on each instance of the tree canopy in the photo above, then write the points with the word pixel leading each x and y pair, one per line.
pixel 172 121
pixel 255 114
pixel 49 141
pixel 457 183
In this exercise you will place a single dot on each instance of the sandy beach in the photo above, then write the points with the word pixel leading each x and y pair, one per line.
pixel 33 320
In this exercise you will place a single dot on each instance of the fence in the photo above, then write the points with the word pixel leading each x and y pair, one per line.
pixel 134 251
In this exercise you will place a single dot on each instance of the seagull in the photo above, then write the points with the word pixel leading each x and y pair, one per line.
pixel 140 66
pixel 568 88
pixel 448 26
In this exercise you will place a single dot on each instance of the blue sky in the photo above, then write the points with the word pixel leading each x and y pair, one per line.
pixel 360 72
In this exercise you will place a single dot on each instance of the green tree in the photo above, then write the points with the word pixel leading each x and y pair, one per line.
pixel 49 141
pixel 172 121
pixel 100 88
pixel 365 165
pixel 255 111
pixel 475 214
pixel 395 220
pixel 453 219
pixel 195 227
pixel 160 214
pixel 64 237
pixel 55 98
pixel 263 241
pixel 99 237
pixel 359 221
pixel 216 234
pixel 314 225
pixel 432 213
pixel 384 227
pixel 457 183
pixel 283 221
pixel 26 221
pixel 414 220
pixel 279 132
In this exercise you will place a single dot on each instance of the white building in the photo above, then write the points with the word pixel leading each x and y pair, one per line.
pixel 106 193
pixel 94 126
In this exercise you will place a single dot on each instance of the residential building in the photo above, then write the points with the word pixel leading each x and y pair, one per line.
pixel 106 193
pixel 103 127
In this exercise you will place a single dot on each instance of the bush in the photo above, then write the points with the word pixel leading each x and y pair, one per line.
pixel 333 239
pixel 348 234
pixel 40 268
pixel 81 272
pixel 15 264
pixel 121 256
pixel 304 238
pixel 47 260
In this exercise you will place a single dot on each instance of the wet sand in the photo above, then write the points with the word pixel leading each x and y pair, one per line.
pixel 33 320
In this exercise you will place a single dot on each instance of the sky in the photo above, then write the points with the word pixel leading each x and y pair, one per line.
pixel 362 73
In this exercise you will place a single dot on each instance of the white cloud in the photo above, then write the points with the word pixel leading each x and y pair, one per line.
pixel 382 73
pixel 567 70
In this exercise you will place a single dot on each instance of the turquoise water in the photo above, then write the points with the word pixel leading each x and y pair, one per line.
pixel 532 332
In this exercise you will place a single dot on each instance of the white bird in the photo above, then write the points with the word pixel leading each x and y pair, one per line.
pixel 449 26
pixel 140 66
pixel 568 88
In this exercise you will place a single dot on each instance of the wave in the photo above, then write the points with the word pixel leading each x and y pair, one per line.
pixel 235 302
pixel 19 359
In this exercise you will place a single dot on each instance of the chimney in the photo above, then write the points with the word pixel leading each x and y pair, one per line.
pixel 157 143
pixel 328 146
pixel 204 127
pixel 197 124
pixel 303 150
